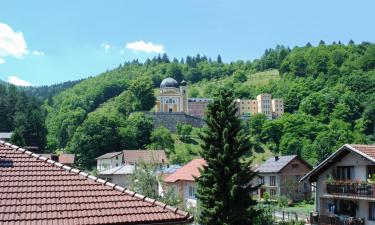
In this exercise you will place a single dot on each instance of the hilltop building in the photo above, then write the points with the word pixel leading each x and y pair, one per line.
pixel 172 96
pixel 272 108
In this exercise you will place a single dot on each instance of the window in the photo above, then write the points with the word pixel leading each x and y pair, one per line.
pixel 261 180
pixel 272 181
pixel 298 177
pixel 371 213
pixel 272 193
pixel 294 166
pixel 191 191
pixel 345 172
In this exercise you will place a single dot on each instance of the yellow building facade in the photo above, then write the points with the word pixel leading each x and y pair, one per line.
pixel 172 96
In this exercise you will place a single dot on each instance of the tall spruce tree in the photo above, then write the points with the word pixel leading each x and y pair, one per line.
pixel 224 186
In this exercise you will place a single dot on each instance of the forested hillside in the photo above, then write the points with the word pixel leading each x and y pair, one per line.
pixel 328 92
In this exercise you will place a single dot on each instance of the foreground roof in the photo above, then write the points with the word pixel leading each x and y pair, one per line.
pixel 187 172
pixel 366 151
pixel 272 165
pixel 36 190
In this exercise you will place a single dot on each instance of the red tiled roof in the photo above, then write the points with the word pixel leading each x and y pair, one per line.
pixel 187 172
pixel 150 156
pixel 35 190
pixel 365 149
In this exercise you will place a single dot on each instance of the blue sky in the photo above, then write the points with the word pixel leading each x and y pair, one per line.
pixel 45 42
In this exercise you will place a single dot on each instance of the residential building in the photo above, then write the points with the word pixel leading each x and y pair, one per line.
pixel 120 175
pixel 5 136
pixel 264 104
pixel 37 190
pixel 172 96
pixel 272 108
pixel 247 107
pixel 197 106
pixel 109 161
pixel 183 182
pixel 280 175
pixel 277 107
pixel 115 159
pixel 344 192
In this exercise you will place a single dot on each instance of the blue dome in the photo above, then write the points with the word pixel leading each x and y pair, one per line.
pixel 169 82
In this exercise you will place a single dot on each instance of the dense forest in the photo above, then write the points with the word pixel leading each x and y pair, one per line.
pixel 328 92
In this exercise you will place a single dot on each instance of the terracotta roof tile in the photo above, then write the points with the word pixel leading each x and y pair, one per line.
pixel 187 172
pixel 36 191
pixel 366 149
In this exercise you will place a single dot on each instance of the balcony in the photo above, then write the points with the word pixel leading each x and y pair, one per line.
pixel 351 188
pixel 335 220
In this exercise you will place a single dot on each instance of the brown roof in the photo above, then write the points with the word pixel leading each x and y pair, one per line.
pixel 66 158
pixel 187 172
pixel 35 190
pixel 150 156
pixel 365 149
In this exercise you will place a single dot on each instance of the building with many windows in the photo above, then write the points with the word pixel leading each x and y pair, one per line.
pixel 272 108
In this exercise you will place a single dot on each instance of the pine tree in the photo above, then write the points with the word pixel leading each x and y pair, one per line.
pixel 224 186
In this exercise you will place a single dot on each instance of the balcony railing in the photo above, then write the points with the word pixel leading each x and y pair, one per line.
pixel 351 188
pixel 335 220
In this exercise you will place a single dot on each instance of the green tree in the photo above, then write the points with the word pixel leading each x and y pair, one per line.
pixel 143 91
pixel 161 138
pixel 239 76
pixel 225 184
pixel 184 131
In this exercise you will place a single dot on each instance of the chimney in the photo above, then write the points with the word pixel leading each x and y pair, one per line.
pixel 276 157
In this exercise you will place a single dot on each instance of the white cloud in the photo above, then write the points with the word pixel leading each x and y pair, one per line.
pixel 11 43
pixel 149 47
pixel 17 81
pixel 105 46
pixel 2 61
pixel 38 53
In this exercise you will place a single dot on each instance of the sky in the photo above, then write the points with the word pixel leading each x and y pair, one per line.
pixel 47 42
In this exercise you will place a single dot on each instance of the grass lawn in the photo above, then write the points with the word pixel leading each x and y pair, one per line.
pixel 300 207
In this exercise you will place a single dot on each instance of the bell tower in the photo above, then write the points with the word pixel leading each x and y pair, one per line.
pixel 183 91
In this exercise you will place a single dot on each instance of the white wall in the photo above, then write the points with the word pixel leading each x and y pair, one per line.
pixel 105 164
pixel 360 173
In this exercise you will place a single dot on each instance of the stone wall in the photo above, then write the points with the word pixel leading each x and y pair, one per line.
pixel 171 119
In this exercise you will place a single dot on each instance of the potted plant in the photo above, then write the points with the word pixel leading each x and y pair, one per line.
pixel 371 179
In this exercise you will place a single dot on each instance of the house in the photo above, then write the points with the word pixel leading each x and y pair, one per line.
pixel 37 190
pixel 197 106
pixel 109 161
pixel 120 175
pixel 183 182
pixel 280 175
pixel 5 136
pixel 343 190
pixel 115 159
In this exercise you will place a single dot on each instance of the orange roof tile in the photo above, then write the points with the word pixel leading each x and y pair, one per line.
pixel 187 172
pixel 36 190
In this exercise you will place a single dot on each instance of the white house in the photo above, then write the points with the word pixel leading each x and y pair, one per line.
pixel 343 191
pixel 109 161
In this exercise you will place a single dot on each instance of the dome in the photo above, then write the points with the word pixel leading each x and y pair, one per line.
pixel 169 82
